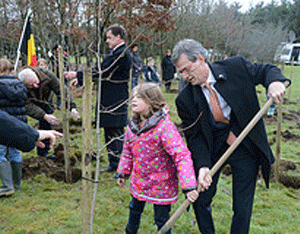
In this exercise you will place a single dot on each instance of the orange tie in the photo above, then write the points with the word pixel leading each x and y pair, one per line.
pixel 218 113
pixel 215 105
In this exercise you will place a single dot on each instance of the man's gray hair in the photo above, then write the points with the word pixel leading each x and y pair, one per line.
pixel 26 73
pixel 191 48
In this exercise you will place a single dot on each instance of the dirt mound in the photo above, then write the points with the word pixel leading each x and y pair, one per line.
pixel 38 165
pixel 53 168
pixel 286 135
pixel 284 166
pixel 290 181
pixel 290 116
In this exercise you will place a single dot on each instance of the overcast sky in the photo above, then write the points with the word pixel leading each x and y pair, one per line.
pixel 247 3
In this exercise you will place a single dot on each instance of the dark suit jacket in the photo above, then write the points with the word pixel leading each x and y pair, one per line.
pixel 236 80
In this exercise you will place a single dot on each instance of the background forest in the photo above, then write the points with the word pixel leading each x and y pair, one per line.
pixel 159 24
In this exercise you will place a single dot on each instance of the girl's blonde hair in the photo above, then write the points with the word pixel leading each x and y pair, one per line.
pixel 6 67
pixel 152 95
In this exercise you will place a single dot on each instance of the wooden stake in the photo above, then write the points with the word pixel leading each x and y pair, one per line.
pixel 278 141
pixel 291 76
pixel 86 150
pixel 66 117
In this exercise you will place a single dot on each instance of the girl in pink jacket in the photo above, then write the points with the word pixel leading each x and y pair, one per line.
pixel 155 156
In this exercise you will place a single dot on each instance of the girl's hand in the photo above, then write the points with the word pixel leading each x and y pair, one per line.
pixel 121 182
pixel 192 195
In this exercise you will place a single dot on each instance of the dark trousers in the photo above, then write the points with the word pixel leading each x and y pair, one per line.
pixel 116 138
pixel 44 125
pixel 136 208
pixel 134 81
pixel 245 170
pixel 168 85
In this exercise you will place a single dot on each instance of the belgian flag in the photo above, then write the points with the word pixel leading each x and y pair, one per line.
pixel 27 46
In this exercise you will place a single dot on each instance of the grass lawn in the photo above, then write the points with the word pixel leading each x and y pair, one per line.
pixel 47 206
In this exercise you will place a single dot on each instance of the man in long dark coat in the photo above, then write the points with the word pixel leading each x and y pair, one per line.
pixel 168 70
pixel 115 76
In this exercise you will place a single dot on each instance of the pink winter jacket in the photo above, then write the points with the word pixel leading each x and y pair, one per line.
pixel 156 159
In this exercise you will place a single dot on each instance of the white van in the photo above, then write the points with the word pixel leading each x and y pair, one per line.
pixel 290 51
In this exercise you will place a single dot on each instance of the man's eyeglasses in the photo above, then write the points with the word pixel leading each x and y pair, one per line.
pixel 187 70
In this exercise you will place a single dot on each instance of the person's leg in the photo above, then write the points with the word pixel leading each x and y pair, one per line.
pixel 203 210
pixel 134 81
pixel 136 209
pixel 168 86
pixel 58 102
pixel 7 187
pixel 115 138
pixel 161 216
pixel 15 159
pixel 245 170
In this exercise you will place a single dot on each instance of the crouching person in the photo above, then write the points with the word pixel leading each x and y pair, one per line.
pixel 40 83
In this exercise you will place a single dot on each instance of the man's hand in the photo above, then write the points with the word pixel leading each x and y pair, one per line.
pixel 73 84
pixel 276 91
pixel 75 114
pixel 192 195
pixel 51 119
pixel 47 134
pixel 204 179
pixel 70 75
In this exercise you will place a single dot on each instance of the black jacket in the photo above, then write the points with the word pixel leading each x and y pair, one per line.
pixel 236 80
pixel 151 74
pixel 137 64
pixel 14 133
pixel 168 69
pixel 13 96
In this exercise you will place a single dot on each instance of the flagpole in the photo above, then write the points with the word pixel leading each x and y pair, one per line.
pixel 20 43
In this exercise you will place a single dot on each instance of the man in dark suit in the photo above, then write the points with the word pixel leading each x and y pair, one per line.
pixel 115 69
pixel 233 81
pixel 114 93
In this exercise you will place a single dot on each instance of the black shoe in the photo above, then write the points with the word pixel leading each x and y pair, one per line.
pixel 48 156
pixel 108 169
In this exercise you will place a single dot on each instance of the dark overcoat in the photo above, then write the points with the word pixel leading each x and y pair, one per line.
pixel 168 69
pixel 14 133
pixel 236 79
pixel 114 87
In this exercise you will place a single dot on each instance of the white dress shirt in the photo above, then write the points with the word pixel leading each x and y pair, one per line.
pixel 224 106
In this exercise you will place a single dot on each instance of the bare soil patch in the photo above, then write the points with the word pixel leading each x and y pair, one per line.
pixel 53 168
pixel 284 167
